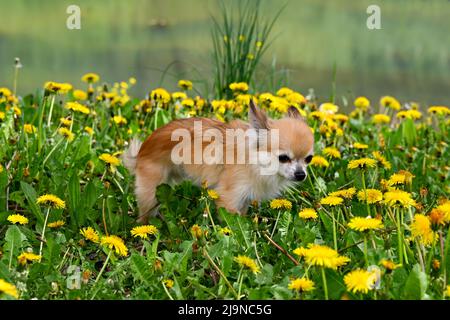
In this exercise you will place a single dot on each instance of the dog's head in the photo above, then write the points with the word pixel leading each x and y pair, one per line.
pixel 295 146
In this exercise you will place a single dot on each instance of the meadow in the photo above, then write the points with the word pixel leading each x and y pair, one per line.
pixel 371 221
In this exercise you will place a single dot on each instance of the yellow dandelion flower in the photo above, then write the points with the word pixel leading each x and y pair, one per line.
pixel 363 224
pixel 26 257
pixel 381 118
pixel 300 251
pixel 17 219
pixel 296 98
pixel 319 161
pixel 421 229
pixel 144 231
pixel 5 92
pixel 179 96
pixel 29 128
pixel 239 86
pixel 185 84
pixel 331 201
pixel 344 193
pixel 284 92
pixel 359 281
pixel 119 120
pixel 90 77
pixel 89 130
pixel 328 108
pixel 362 163
pixel 308 213
pixel 132 80
pixel 317 115
pixel 65 122
pixel 17 111
pixel 281 204
pixel 389 265
pixel 225 231
pixel 115 243
pixel 9 289
pixel 370 195
pixel 398 198
pixel 360 146
pixel 51 201
pixel 340 118
pixel 56 87
pixel 396 179
pixel 188 103
pixel 77 107
pixel 160 95
pixel 110 159
pixel 381 160
pixel 439 110
pixel 80 95
pixel 390 102
pixel 447 291
pixel 301 284
pixel 445 208
pixel 66 133
pixel 437 217
pixel 332 152
pixel 409 114
pixel 401 177
pixel 90 234
pixel 324 256
pixel 196 231
pixel 56 224
pixel 168 283
pixel 362 103
pixel 213 194
pixel 247 262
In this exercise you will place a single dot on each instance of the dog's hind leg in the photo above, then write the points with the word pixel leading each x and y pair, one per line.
pixel 147 179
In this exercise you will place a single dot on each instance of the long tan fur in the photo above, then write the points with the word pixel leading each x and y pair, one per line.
pixel 236 184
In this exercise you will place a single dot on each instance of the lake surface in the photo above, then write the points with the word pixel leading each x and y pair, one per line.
pixel 159 42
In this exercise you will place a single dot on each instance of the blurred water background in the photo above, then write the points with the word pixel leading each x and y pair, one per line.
pixel 159 42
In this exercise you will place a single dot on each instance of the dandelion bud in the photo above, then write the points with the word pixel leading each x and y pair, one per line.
pixel 423 192
pixel 436 264
pixel 157 265
pixel 85 276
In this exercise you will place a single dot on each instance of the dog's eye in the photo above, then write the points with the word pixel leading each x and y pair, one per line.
pixel 284 158
pixel 308 159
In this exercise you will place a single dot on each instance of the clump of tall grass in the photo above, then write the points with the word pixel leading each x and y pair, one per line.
pixel 239 43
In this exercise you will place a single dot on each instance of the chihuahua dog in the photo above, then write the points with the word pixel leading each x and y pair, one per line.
pixel 287 149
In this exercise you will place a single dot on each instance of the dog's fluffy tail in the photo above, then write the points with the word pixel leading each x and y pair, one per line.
pixel 129 157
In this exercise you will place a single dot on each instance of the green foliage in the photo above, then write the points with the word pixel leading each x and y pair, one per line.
pixel 239 44
pixel 194 253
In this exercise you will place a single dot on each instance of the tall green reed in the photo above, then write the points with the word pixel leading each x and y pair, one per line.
pixel 239 42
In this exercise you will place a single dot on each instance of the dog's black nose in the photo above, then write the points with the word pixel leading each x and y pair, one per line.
pixel 300 175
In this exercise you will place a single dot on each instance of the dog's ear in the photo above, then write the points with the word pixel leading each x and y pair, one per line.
pixel 257 117
pixel 294 113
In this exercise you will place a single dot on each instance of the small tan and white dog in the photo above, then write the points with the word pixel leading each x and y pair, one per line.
pixel 286 149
